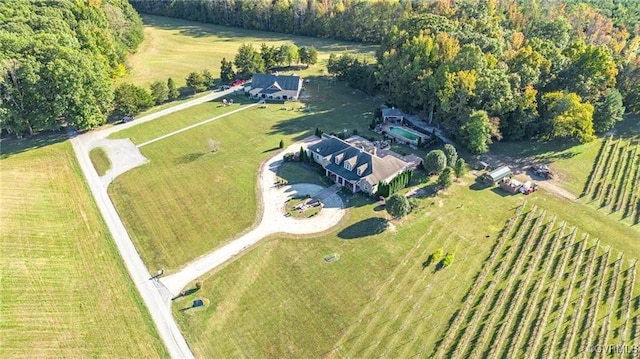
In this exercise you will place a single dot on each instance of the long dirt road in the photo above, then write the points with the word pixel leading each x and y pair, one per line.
pixel 155 296
pixel 157 293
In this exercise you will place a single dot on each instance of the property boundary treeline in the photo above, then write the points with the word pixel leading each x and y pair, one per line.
pixel 362 21
pixel 545 291
pixel 614 181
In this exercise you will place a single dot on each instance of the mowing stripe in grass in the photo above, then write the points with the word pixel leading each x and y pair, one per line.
pixel 196 125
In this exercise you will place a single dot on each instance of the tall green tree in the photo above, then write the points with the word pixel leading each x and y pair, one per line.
pixel 451 153
pixel 446 178
pixel 435 161
pixel 268 54
pixel 608 110
pixel 226 71
pixel 475 133
pixel 398 205
pixel 308 55
pixel 159 92
pixel 196 82
pixel 460 167
pixel 173 92
pixel 248 61
pixel 207 79
pixel 130 99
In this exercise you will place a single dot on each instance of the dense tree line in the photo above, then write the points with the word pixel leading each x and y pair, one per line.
pixel 58 60
pixel 495 69
pixel 248 60
pixel 482 70
pixel 364 21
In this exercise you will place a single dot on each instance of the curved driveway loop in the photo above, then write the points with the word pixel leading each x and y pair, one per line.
pixel 156 294
pixel 273 221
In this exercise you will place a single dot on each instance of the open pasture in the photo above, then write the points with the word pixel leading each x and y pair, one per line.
pixel 188 199
pixel 174 48
pixel 65 292
pixel 614 183
pixel 282 300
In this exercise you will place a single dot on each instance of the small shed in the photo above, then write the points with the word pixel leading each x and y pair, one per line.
pixel 392 114
pixel 498 174
pixel 481 165
pixel 510 185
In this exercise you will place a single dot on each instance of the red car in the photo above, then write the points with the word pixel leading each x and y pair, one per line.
pixel 238 82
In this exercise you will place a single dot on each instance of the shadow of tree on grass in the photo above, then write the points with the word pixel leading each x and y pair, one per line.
pixel 364 228
pixel 190 157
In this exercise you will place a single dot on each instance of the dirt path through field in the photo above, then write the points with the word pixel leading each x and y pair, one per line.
pixel 522 171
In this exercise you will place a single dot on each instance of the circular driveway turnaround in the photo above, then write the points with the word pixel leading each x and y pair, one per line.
pixel 273 221
pixel 156 294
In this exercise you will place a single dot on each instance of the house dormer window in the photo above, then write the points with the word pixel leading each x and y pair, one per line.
pixel 337 160
pixel 347 166
pixel 359 171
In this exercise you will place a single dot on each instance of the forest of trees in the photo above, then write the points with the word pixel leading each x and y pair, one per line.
pixel 364 21
pixel 481 70
pixel 499 70
pixel 58 60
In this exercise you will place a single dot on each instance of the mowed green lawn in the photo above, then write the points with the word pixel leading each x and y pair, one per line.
pixel 188 200
pixel 282 300
pixel 174 48
pixel 65 292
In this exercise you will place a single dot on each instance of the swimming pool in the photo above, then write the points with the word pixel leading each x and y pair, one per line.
pixel 402 132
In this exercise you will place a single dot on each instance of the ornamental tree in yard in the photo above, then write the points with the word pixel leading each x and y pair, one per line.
pixel 398 206
pixel 446 178
pixel 451 153
pixel 460 167
pixel 159 92
pixel 435 161
pixel 174 93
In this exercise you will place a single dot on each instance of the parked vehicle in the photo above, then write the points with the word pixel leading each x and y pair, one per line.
pixel 542 171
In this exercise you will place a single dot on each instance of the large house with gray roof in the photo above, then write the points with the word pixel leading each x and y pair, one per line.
pixel 275 87
pixel 352 165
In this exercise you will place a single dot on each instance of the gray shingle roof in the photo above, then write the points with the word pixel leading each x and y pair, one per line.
pixel 374 169
pixel 392 112
pixel 328 146
pixel 276 84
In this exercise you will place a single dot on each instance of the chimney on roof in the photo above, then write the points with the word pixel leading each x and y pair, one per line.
pixel 373 150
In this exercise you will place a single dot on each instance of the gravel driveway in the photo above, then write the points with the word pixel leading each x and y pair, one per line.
pixel 273 221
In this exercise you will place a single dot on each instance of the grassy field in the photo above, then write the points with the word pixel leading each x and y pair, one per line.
pixel 100 160
pixel 282 300
pixel 172 222
pixel 174 48
pixel 65 292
